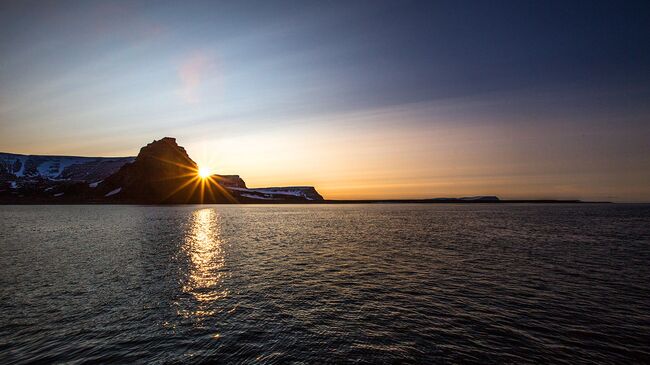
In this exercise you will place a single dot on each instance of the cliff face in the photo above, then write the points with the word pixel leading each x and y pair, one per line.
pixel 162 173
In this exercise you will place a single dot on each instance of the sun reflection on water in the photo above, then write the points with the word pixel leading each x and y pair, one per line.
pixel 204 249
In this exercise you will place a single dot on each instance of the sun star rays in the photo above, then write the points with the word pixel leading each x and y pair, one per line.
pixel 199 180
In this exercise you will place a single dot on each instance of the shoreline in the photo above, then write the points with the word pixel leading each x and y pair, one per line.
pixel 327 202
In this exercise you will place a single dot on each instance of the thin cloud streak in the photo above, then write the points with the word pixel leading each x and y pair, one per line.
pixel 192 73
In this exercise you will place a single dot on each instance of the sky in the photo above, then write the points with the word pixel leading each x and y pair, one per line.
pixel 362 99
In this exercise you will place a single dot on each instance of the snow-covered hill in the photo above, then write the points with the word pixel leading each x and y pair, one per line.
pixel 28 168
pixel 279 193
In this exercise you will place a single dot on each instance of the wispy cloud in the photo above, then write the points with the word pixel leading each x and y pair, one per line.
pixel 192 74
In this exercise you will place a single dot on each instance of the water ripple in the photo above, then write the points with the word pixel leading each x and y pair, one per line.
pixel 325 284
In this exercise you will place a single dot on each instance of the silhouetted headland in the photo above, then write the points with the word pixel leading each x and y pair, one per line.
pixel 162 173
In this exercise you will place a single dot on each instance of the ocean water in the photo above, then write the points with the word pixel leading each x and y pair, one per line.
pixel 325 284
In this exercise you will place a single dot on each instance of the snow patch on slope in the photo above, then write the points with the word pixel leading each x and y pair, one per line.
pixel 21 171
pixel 257 197
pixel 113 192
pixel 305 192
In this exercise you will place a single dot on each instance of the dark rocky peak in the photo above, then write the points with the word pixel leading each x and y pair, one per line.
pixel 166 150
pixel 161 173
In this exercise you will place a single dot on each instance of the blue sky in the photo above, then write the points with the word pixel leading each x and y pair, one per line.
pixel 362 99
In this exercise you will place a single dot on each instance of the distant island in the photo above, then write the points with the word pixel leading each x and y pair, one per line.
pixel 162 173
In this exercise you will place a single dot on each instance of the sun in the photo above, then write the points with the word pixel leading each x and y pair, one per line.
pixel 204 172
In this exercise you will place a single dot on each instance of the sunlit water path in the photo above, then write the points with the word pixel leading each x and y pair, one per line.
pixel 318 284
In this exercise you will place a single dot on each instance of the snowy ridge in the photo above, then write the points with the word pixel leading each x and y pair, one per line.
pixel 72 168
pixel 305 192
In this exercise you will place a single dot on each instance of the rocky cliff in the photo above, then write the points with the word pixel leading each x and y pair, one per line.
pixel 162 173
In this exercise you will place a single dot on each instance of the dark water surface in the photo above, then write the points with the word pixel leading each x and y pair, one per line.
pixel 317 284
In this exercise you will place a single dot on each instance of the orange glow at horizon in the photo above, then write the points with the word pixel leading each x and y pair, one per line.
pixel 402 161
pixel 367 155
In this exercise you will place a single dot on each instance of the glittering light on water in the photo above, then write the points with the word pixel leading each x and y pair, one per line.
pixel 204 249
